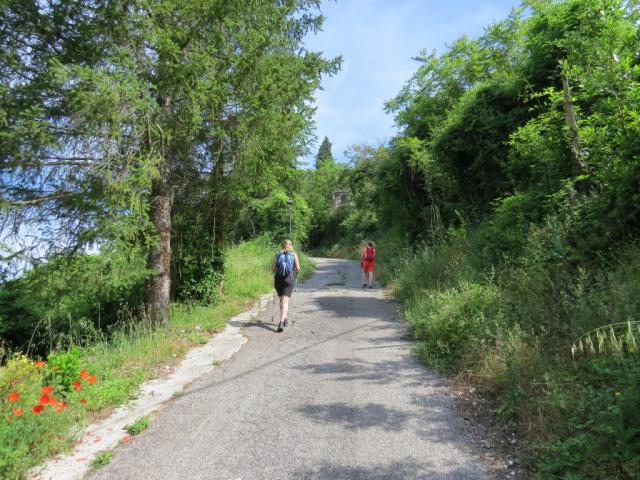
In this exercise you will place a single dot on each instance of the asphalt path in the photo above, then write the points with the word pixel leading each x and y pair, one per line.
pixel 337 396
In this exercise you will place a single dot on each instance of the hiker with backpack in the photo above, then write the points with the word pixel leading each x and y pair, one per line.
pixel 367 262
pixel 285 267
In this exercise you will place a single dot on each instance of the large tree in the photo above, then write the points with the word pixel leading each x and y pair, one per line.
pixel 114 109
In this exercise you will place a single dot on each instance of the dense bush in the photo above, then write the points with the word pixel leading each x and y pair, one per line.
pixel 67 300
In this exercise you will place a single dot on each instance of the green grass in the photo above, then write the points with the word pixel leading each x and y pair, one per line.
pixel 131 355
pixel 101 459
pixel 139 426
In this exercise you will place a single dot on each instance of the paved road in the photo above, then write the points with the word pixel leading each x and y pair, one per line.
pixel 339 396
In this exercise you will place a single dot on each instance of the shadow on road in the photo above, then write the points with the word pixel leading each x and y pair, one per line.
pixel 356 417
pixel 408 468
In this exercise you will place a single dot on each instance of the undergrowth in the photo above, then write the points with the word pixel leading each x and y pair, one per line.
pixel 509 330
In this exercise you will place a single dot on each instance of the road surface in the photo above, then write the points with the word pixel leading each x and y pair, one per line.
pixel 337 396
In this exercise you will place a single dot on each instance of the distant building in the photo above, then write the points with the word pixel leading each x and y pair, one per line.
pixel 342 198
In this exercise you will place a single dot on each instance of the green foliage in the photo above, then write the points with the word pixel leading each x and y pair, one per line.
pixel 63 368
pixel 29 438
pixel 139 426
pixel 66 301
pixel 101 459
pixel 274 214
pixel 450 323
pixel 324 154
pixel 600 436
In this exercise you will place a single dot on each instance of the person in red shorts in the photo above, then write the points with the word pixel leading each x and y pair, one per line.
pixel 367 261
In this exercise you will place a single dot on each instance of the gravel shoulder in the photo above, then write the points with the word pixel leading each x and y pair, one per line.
pixel 337 396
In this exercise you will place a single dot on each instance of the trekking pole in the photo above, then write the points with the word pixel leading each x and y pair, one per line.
pixel 273 308
pixel 295 297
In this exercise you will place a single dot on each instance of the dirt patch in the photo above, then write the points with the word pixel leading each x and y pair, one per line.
pixel 493 440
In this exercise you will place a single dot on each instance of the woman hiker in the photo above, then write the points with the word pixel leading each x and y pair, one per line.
pixel 285 266
pixel 367 262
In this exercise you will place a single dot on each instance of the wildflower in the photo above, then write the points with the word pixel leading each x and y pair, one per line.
pixel 14 397
pixel 617 394
pixel 40 363
pixel 18 412
pixel 54 401
pixel 44 399
pixel 125 438
pixel 47 390
pixel 91 379
pixel 60 407
pixel 83 401
pixel 76 385
pixel 84 374
pixel 38 409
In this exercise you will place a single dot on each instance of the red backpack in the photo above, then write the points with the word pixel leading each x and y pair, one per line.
pixel 369 254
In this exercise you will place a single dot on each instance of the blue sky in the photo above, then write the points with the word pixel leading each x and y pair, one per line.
pixel 378 39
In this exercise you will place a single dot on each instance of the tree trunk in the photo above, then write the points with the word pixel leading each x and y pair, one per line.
pixel 159 260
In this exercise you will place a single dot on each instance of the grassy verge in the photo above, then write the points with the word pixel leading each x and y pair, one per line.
pixel 509 331
pixel 131 356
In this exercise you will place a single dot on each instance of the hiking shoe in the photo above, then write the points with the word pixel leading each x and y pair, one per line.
pixel 364 285
pixel 280 329
pixel 286 323
pixel 370 286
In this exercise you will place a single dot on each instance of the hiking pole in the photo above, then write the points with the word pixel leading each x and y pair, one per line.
pixel 295 297
pixel 273 308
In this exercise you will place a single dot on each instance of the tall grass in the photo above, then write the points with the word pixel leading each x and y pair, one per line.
pixel 509 330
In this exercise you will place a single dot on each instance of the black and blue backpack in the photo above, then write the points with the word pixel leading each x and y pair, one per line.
pixel 284 264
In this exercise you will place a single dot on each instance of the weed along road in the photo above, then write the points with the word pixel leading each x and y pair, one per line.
pixel 337 396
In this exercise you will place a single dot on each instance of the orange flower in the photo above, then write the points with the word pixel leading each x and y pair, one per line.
pixel 91 379
pixel 18 412
pixel 47 390
pixel 45 399
pixel 14 397
pixel 76 385
pixel 126 438
pixel 84 374
pixel 83 401
pixel 54 401
pixel 38 409
pixel 60 407
pixel 40 364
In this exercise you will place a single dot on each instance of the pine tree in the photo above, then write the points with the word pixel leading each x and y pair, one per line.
pixel 324 155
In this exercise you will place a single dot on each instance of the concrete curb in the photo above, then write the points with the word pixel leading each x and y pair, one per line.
pixel 109 432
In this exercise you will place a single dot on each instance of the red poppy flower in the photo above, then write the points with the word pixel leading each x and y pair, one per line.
pixel 14 397
pixel 76 385
pixel 18 412
pixel 54 401
pixel 83 401
pixel 45 399
pixel 84 374
pixel 47 390
pixel 40 364
pixel 91 379
pixel 38 409
pixel 60 407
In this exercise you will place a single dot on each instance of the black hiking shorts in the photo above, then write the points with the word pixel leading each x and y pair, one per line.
pixel 285 285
